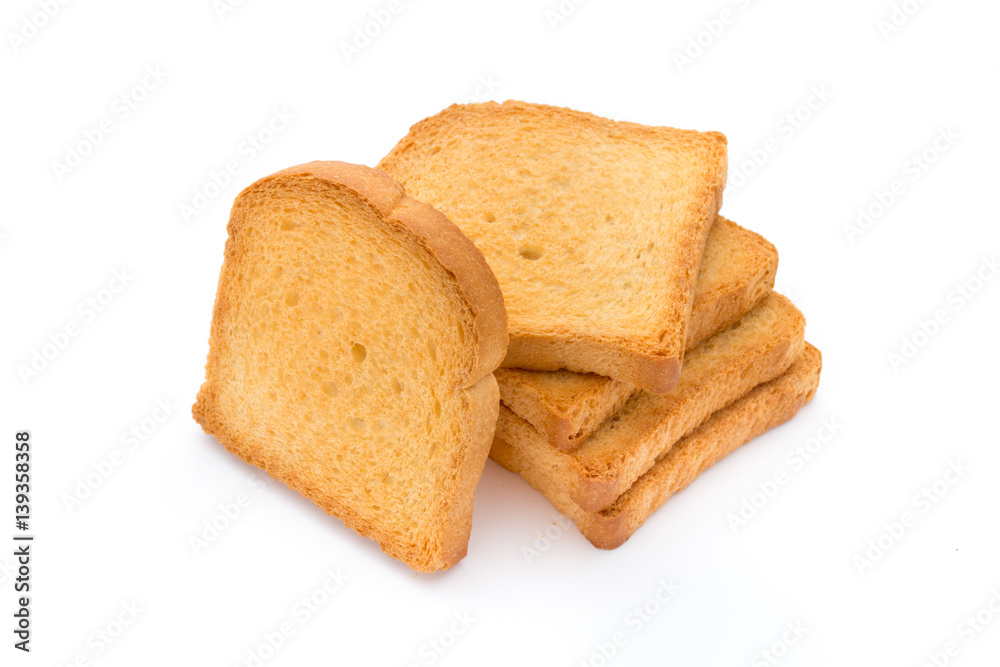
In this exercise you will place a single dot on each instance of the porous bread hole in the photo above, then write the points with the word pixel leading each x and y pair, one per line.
pixel 358 352
pixel 608 218
pixel 324 355
pixel 559 182
pixel 531 252
pixel 330 388
pixel 387 478
pixel 316 334
pixel 489 217
pixel 434 150
pixel 626 285
pixel 613 421
pixel 379 268
pixel 432 348
pixel 352 260
pixel 348 379
pixel 356 423
pixel 524 172
pixel 276 272
pixel 437 408
pixel 461 333
pixel 397 388
pixel 746 372
pixel 380 425
pixel 292 299
pixel 273 395
pixel 288 224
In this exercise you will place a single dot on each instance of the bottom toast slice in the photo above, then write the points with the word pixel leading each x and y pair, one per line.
pixel 763 408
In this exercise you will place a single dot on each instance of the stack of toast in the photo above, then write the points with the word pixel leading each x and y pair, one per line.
pixel 548 287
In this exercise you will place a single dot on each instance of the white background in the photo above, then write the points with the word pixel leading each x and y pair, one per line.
pixel 886 99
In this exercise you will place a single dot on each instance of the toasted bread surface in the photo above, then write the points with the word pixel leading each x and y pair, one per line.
pixel 595 228
pixel 353 340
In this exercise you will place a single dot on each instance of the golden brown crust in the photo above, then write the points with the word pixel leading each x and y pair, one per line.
pixel 590 353
pixel 460 261
pixel 763 408
pixel 650 359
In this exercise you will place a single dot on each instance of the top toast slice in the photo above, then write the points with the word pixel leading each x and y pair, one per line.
pixel 595 228
pixel 737 271
pixel 351 349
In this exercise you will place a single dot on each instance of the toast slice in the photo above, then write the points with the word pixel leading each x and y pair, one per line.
pixel 763 408
pixel 758 348
pixel 737 271
pixel 594 228
pixel 351 349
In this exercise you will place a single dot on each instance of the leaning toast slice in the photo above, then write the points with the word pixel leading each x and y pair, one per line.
pixel 758 348
pixel 763 408
pixel 594 228
pixel 352 343
pixel 737 271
